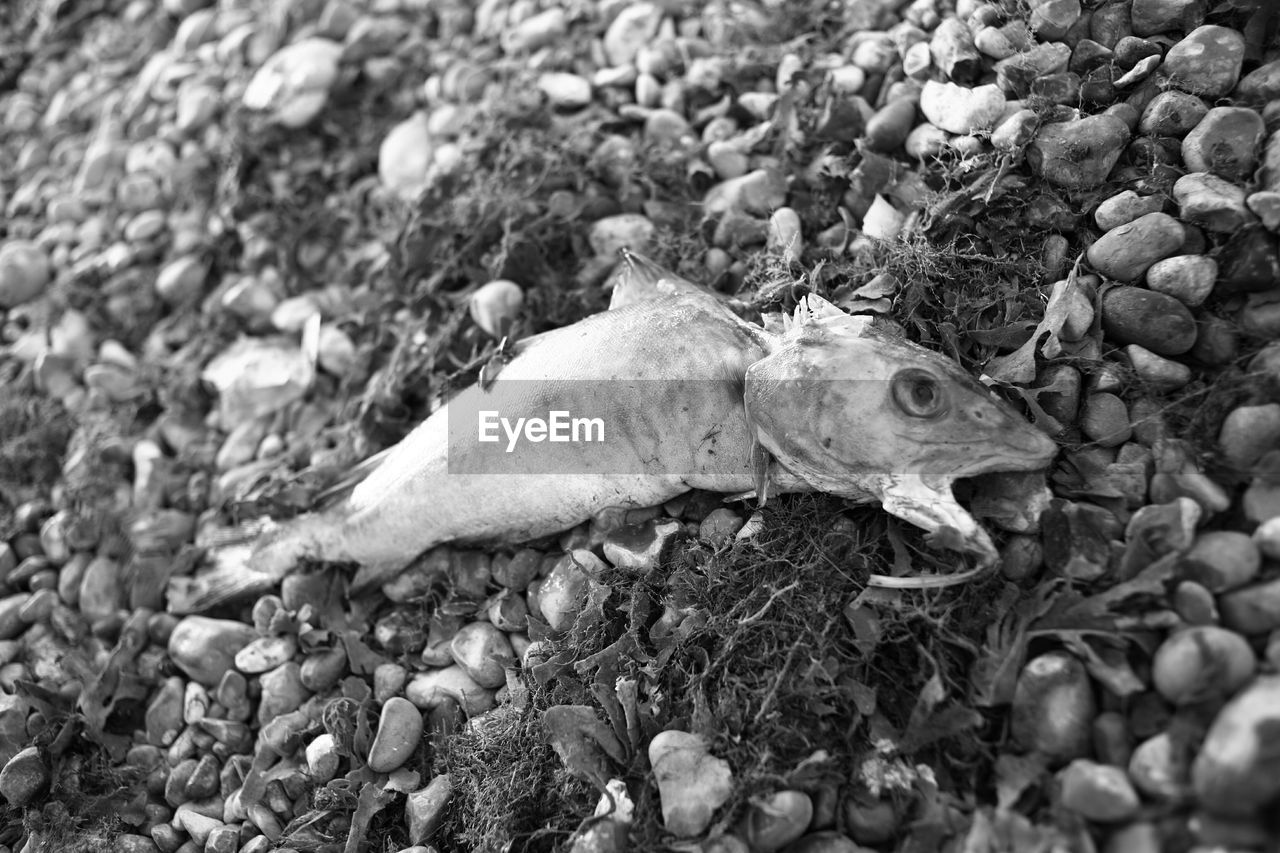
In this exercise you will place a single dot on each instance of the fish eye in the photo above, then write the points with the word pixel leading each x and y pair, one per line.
pixel 918 394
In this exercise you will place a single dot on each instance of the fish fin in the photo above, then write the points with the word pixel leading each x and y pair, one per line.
pixel 353 477
pixel 815 315
pixel 243 567
pixel 638 279
pixel 775 323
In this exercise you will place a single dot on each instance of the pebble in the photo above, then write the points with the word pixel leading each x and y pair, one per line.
pixel 1206 61
pixel 1247 432
pixel 282 691
pixel 1221 560
pixel 1160 768
pixel 11 621
pixel 1187 278
pixel 1125 207
pixel 1261 315
pixel 1234 772
pixel 1098 791
pixel 1124 253
pixel 639 547
pixel 1252 610
pixel 1105 419
pixel 692 783
pixel 888 128
pixel 428 690
pixel 1078 154
pixel 1162 375
pixel 1155 321
pixel 1054 706
pixel 1201 664
pixel 960 109
pixel 1172 113
pixel 1265 205
pixel 564 90
pixel 1211 202
pixel 774 821
pixel 495 305
pixel 24 272
pixel 536 31
pixel 424 810
pixel 293 84
pixel 784 236
pixel 566 585
pixel 484 652
pixel 266 653
pixel 398 735
pixel 1267 537
pixel 633 28
pixel 759 192
pixel 405 156
pixel 1251 263
pixel 182 280
pixel 625 230
pixel 1053 19
pixel 23 777
pixel 1260 86
pixel 164 716
pixel 1225 142
pixel 205 648
pixel 323 757
pixel 1153 17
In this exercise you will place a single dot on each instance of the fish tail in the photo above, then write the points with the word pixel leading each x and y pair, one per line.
pixel 244 564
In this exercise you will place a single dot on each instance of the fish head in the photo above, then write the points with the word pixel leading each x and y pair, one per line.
pixel 859 412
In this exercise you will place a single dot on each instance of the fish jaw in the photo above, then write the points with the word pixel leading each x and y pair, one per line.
pixel 927 502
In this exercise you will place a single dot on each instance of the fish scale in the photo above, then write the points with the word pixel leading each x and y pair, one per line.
pixel 696 398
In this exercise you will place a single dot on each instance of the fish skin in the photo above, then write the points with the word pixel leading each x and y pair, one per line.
pixel 842 436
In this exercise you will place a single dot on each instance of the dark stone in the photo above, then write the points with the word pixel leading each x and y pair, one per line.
pixel 1131 50
pixel 1135 315
pixel 1251 263
pixel 1089 55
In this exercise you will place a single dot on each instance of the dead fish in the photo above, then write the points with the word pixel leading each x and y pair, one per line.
pixel 694 397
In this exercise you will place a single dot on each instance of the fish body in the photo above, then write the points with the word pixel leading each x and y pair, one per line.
pixel 690 396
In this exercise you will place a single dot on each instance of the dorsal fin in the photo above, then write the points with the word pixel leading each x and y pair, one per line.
pixel 814 315
pixel 637 278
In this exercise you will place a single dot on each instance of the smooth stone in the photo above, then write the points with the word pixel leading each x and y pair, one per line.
pixel 1248 432
pixel 293 84
pixel 888 128
pixel 11 622
pixel 1265 205
pixel 1221 560
pixel 961 109
pixel 564 90
pixel 495 305
pixel 1235 773
pixel 633 28
pixel 164 718
pixel 424 810
pixel 1260 86
pixel 565 587
pixel 1105 419
pixel 1160 769
pixel 692 783
pixel 1053 707
pixel 639 547
pixel 1187 278
pixel 1098 792
pixel 1125 207
pixel 1225 142
pixel 24 272
pixel 1267 538
pixel 205 648
pixel 1018 72
pixel 1206 62
pixel 1202 663
pixel 784 236
pixel 23 777
pixel 405 156
pixel 1124 253
pixel 398 735
pixel 1161 374
pixel 625 230
pixel 1078 154
pixel 1252 610
pixel 484 652
pixel 1251 263
pixel 1260 315
pixel 282 691
pixel 1211 202
pixel 266 653
pixel 760 192
pixel 1052 19
pixel 1155 321
pixel 774 821
pixel 429 690
pixel 1153 17
pixel 323 758
pixel 536 31
pixel 1172 113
